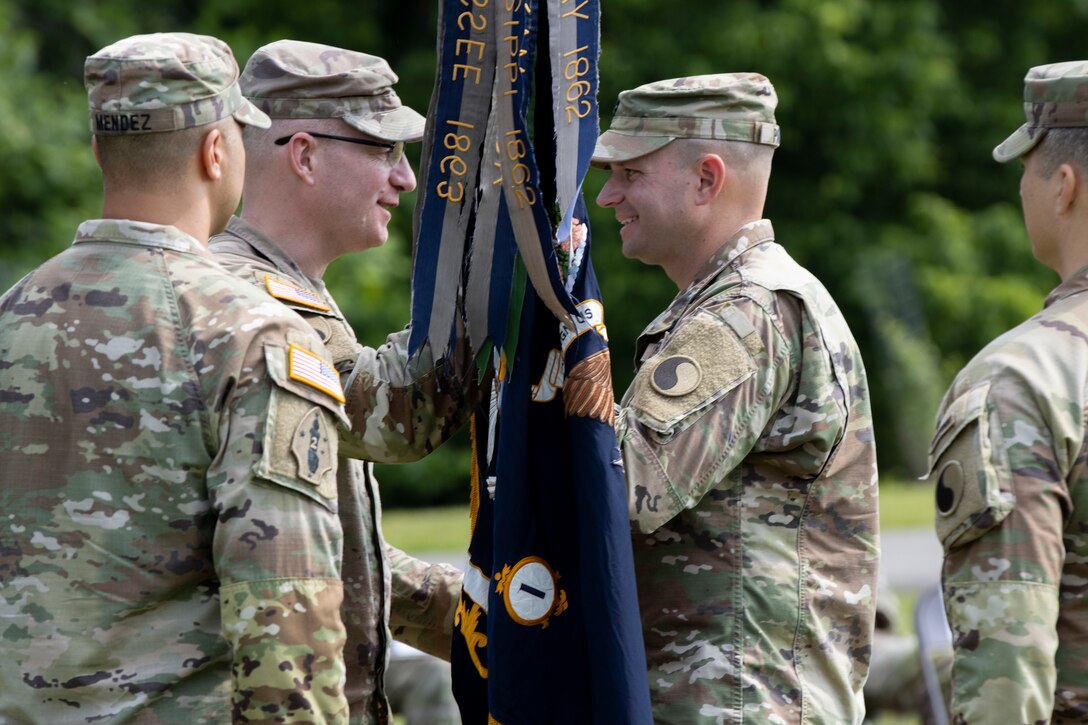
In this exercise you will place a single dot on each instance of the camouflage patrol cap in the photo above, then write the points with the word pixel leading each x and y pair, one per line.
pixel 164 82
pixel 728 106
pixel 1055 96
pixel 296 79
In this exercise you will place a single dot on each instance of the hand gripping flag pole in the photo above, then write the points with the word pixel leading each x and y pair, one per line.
pixel 547 629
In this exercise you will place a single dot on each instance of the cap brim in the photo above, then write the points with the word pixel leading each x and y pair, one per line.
pixel 250 115
pixel 1018 143
pixel 400 124
pixel 615 147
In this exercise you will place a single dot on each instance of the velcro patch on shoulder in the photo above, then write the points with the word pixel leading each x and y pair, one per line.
pixel 970 475
pixel 703 360
pixel 293 293
pixel 299 448
pixel 310 369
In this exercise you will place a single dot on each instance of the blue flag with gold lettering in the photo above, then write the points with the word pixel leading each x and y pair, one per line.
pixel 547 629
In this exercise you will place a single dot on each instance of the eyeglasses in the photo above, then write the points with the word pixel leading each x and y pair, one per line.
pixel 396 150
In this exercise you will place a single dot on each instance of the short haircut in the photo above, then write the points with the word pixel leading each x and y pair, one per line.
pixel 751 160
pixel 153 161
pixel 1060 146
pixel 260 142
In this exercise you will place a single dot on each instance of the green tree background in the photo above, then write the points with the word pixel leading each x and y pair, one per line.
pixel 884 185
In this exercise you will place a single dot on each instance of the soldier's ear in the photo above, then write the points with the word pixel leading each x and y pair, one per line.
pixel 301 157
pixel 1071 187
pixel 212 153
pixel 713 174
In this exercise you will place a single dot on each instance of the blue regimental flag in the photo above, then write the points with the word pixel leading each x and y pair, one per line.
pixel 547 629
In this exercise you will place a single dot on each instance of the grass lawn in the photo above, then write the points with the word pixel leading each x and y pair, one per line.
pixel 905 504
pixel 443 529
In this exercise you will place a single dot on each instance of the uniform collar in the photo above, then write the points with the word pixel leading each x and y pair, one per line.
pixel 300 288
pixel 747 237
pixel 273 253
pixel 143 234
pixel 1076 283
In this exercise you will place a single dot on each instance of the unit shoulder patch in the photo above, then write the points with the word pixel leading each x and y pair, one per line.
pixel 676 375
pixel 293 293
pixel 299 449
pixel 312 447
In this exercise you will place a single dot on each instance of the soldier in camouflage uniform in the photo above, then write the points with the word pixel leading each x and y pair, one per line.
pixel 896 682
pixel 1008 460
pixel 746 433
pixel 320 184
pixel 171 550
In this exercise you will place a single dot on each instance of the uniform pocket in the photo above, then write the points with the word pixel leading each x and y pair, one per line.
pixel 300 436
pixel 970 475
pixel 702 361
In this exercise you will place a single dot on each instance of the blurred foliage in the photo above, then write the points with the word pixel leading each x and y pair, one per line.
pixel 884 185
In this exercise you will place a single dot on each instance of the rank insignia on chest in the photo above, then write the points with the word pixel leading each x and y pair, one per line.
pixel 292 293
pixel 310 369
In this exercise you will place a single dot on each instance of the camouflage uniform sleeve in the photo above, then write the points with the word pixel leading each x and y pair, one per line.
pixel 277 545
pixel 424 600
pixel 402 409
pixel 1001 504
pixel 698 406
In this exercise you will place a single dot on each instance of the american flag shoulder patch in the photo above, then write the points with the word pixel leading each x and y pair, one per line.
pixel 293 293
pixel 310 369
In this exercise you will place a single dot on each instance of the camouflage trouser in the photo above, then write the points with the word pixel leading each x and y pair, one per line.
pixel 895 681
pixel 419 688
